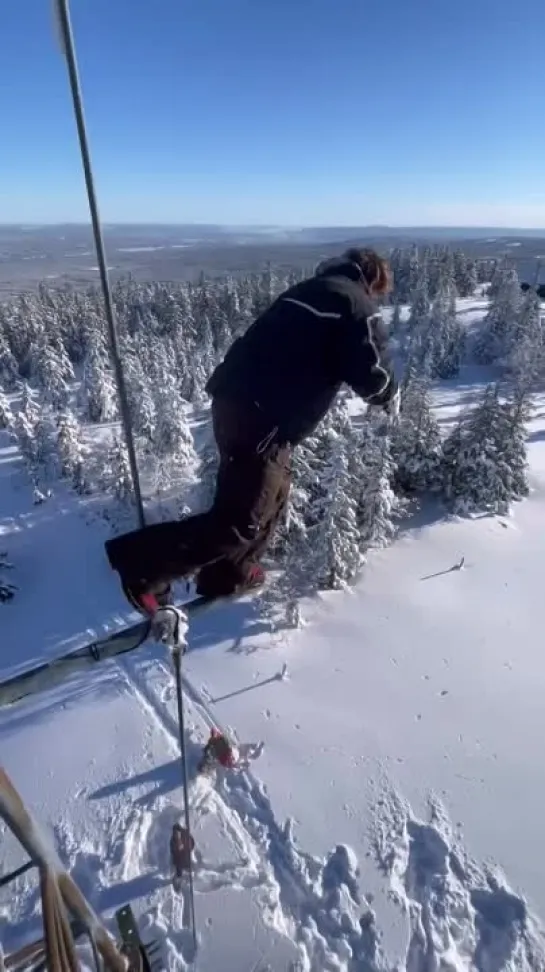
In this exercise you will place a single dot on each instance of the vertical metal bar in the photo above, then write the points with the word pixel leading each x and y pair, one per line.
pixel 67 38
pixel 177 660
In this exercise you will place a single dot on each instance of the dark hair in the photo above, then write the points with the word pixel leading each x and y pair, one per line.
pixel 375 269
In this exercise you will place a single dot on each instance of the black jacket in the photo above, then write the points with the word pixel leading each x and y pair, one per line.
pixel 291 362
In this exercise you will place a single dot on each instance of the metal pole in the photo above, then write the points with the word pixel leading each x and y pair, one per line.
pixel 177 661
pixel 67 38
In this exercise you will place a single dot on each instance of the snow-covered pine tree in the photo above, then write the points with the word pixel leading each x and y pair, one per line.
pixel 183 366
pixel 267 286
pixel 9 370
pixel 432 339
pixel 446 341
pixel 51 370
pixel 448 274
pixel 34 432
pixel 454 343
pixel 417 329
pixel 339 537
pixel 465 274
pixel 496 337
pixel 333 529
pixel 453 350
pixel 208 470
pixel 139 395
pixel 71 451
pixel 20 326
pixel 525 357
pixel 7 589
pixel 495 277
pixel 172 439
pixel 228 315
pixel 98 387
pixel 293 550
pixel 172 434
pixel 202 301
pixel 317 543
pixel 72 317
pixel 414 271
pixel 416 440
pixel 377 504
pixel 46 445
pixel 117 479
pixel 24 426
pixel 452 485
pixel 419 348
pixel 517 413
pixel 200 374
pixel 484 458
pixel 420 301
pixel 64 363
pixel 204 331
pixel 6 415
pixel 305 494
pixel 245 298
pixel 435 259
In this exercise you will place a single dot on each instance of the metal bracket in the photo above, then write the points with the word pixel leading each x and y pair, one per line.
pixel 169 627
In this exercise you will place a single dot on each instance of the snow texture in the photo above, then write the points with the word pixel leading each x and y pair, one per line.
pixel 385 815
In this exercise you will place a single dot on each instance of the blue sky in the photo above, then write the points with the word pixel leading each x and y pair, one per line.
pixel 299 112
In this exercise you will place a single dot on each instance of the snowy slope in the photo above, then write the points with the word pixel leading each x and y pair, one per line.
pixel 393 820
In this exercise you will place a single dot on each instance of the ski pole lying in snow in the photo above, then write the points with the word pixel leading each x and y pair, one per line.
pixel 60 894
pixel 169 626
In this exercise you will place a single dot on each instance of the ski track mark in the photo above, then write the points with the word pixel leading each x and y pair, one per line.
pixel 171 917
pixel 316 904
pixel 461 918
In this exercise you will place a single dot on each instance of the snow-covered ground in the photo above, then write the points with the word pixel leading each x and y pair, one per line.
pixel 394 818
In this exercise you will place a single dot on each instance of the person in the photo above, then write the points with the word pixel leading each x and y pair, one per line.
pixel 274 385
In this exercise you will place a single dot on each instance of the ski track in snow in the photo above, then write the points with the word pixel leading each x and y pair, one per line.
pixel 316 904
pixel 461 918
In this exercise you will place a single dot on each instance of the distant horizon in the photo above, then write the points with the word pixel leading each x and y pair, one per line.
pixel 316 227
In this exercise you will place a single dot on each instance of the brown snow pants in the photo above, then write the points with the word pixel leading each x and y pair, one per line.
pixel 222 544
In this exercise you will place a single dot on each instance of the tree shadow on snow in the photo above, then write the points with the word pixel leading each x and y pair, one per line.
pixel 233 623
pixel 127 892
pixel 160 780
pixel 428 511
pixel 421 513
pixel 47 704
pixel 60 565
pixel 537 436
